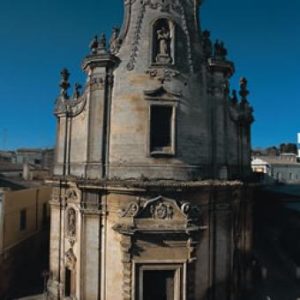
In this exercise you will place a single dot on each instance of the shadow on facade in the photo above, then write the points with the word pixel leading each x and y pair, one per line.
pixel 23 267
pixel 276 242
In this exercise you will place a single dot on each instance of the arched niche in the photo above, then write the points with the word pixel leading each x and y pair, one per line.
pixel 163 42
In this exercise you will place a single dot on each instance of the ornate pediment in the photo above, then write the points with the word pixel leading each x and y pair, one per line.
pixel 159 214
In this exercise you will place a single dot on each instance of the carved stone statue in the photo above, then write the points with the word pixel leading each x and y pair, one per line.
pixel 114 40
pixel 94 45
pixel 163 45
pixel 71 222
pixel 77 89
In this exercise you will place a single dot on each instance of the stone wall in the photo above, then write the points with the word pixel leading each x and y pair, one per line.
pixel 202 230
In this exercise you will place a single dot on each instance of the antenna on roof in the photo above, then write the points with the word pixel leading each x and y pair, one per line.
pixel 4 138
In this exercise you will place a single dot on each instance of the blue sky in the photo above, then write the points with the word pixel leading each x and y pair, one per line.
pixel 40 37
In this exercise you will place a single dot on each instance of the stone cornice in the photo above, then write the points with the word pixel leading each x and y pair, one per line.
pixel 100 60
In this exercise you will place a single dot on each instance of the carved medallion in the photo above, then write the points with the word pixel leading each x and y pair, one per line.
pixel 162 211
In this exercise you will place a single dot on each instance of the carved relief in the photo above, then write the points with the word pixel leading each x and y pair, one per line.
pixel 188 38
pixel 162 75
pixel 70 259
pixel 126 245
pixel 173 217
pixel 160 208
pixel 136 39
pixel 162 211
pixel 72 195
pixel 131 211
pixel 55 194
pixel 71 222
pixel 97 82
pixel 164 5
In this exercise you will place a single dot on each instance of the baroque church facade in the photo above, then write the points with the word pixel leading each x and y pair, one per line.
pixel 151 198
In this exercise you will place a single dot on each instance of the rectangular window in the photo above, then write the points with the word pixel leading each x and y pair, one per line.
pixel 160 282
pixel 161 129
pixel 23 219
pixel 158 285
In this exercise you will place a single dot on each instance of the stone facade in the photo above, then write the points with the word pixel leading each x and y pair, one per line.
pixel 145 204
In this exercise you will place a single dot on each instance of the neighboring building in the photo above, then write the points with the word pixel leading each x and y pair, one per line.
pixel 30 164
pixel 7 157
pixel 23 232
pixel 145 204
pixel 11 170
pixel 38 157
pixel 282 169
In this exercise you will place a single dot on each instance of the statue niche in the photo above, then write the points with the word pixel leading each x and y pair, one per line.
pixel 163 42
pixel 71 222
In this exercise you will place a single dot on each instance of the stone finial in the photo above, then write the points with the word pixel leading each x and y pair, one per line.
pixel 244 89
pixel 220 51
pixel 64 83
pixel 77 88
pixel 207 44
pixel 234 98
pixel 94 45
pixel 98 46
pixel 102 44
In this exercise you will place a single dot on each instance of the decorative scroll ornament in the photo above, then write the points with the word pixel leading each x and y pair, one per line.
pixel 70 107
pixel 131 211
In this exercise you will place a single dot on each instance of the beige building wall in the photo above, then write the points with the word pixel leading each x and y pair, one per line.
pixel 20 236
pixel 32 201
